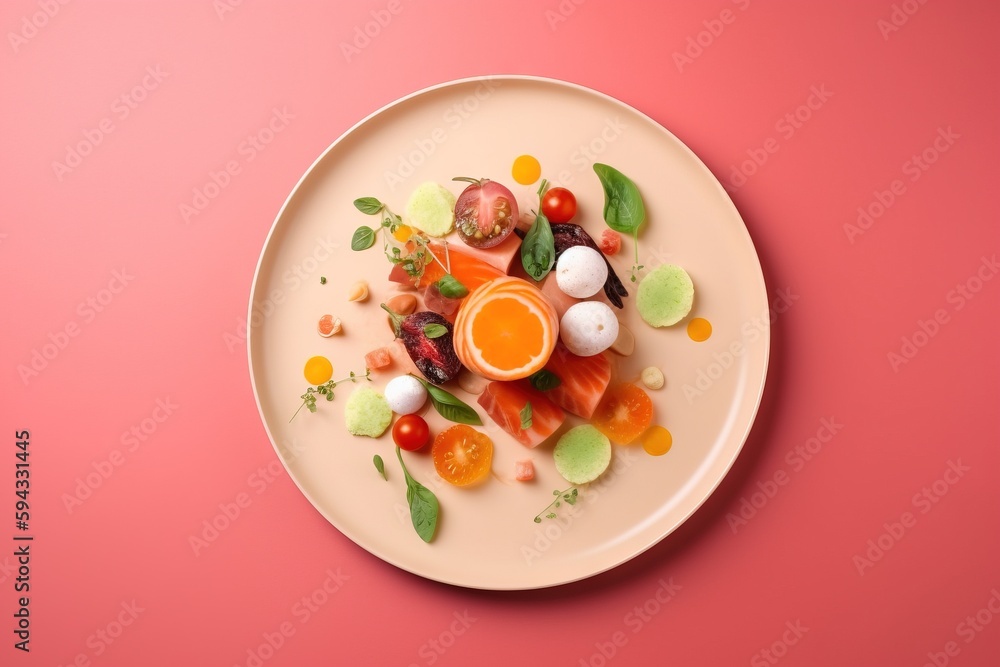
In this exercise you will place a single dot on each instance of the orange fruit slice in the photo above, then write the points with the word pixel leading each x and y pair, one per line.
pixel 462 455
pixel 624 413
pixel 506 329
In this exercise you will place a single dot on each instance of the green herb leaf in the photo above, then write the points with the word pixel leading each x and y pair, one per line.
pixel 364 238
pixel 368 205
pixel 451 288
pixel 434 330
pixel 544 380
pixel 424 506
pixel 525 415
pixel 322 280
pixel 538 249
pixel 449 406
pixel 623 208
pixel 380 466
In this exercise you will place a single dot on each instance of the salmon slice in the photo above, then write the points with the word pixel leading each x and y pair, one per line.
pixel 584 381
pixel 504 401
pixel 499 256
pixel 468 270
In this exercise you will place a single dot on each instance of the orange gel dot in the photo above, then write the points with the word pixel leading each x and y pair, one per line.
pixel 699 329
pixel 526 169
pixel 657 440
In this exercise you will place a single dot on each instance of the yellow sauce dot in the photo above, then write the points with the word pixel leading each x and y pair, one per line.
pixel 699 329
pixel 526 170
pixel 657 440
pixel 318 370
pixel 402 233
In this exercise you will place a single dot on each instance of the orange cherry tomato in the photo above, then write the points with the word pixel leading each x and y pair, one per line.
pixel 462 455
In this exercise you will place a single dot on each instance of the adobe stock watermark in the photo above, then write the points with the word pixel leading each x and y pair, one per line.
pixel 86 312
pixel 291 279
pixel 778 649
pixel 223 7
pixel 32 24
pixel 926 499
pixel 637 618
pixel 958 297
pixel 229 511
pixel 796 459
pixel 588 152
pixel 101 640
pixel 750 331
pixel 967 630
pixel 248 150
pixel 365 34
pixel 433 649
pixel 139 433
pixel 786 127
pixel 561 13
pixel 302 611
pixel 899 15
pixel 121 108
pixel 549 531
pixel 453 118
pixel 913 168
pixel 714 27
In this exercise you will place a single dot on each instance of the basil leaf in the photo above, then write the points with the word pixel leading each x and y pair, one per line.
pixel 380 466
pixel 450 407
pixel 451 288
pixel 525 415
pixel 538 249
pixel 424 506
pixel 623 208
pixel 364 238
pixel 368 205
pixel 544 380
pixel 433 330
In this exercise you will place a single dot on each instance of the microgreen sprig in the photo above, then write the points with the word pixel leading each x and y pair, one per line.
pixel 413 262
pixel 326 389
pixel 569 496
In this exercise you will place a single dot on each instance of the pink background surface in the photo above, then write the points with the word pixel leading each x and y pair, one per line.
pixel 170 333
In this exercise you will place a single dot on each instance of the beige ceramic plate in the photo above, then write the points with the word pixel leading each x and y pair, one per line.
pixel 486 537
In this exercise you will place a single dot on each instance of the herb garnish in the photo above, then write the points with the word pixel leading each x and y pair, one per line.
pixel 449 406
pixel 623 208
pixel 451 288
pixel 538 249
pixel 414 261
pixel 434 330
pixel 380 466
pixel 424 507
pixel 544 380
pixel 525 415
pixel 568 496
pixel 326 389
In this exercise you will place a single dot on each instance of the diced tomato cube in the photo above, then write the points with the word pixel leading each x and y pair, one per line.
pixel 524 471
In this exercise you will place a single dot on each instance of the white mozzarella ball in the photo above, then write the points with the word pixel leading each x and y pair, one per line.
pixel 405 394
pixel 588 328
pixel 581 271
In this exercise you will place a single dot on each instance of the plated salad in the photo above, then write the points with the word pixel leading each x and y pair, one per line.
pixel 519 315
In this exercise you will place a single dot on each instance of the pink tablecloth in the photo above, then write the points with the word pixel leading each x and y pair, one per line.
pixel 148 146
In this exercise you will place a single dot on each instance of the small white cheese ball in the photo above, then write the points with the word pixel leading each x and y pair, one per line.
pixel 405 394
pixel 588 328
pixel 581 271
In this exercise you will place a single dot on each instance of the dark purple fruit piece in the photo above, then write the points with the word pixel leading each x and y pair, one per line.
pixel 435 358
pixel 567 235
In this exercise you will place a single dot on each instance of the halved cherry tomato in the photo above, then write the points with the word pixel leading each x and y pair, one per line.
pixel 485 213
pixel 411 432
pixel 462 455
pixel 559 205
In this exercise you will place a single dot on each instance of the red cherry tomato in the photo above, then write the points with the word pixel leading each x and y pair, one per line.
pixel 485 213
pixel 559 205
pixel 411 432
